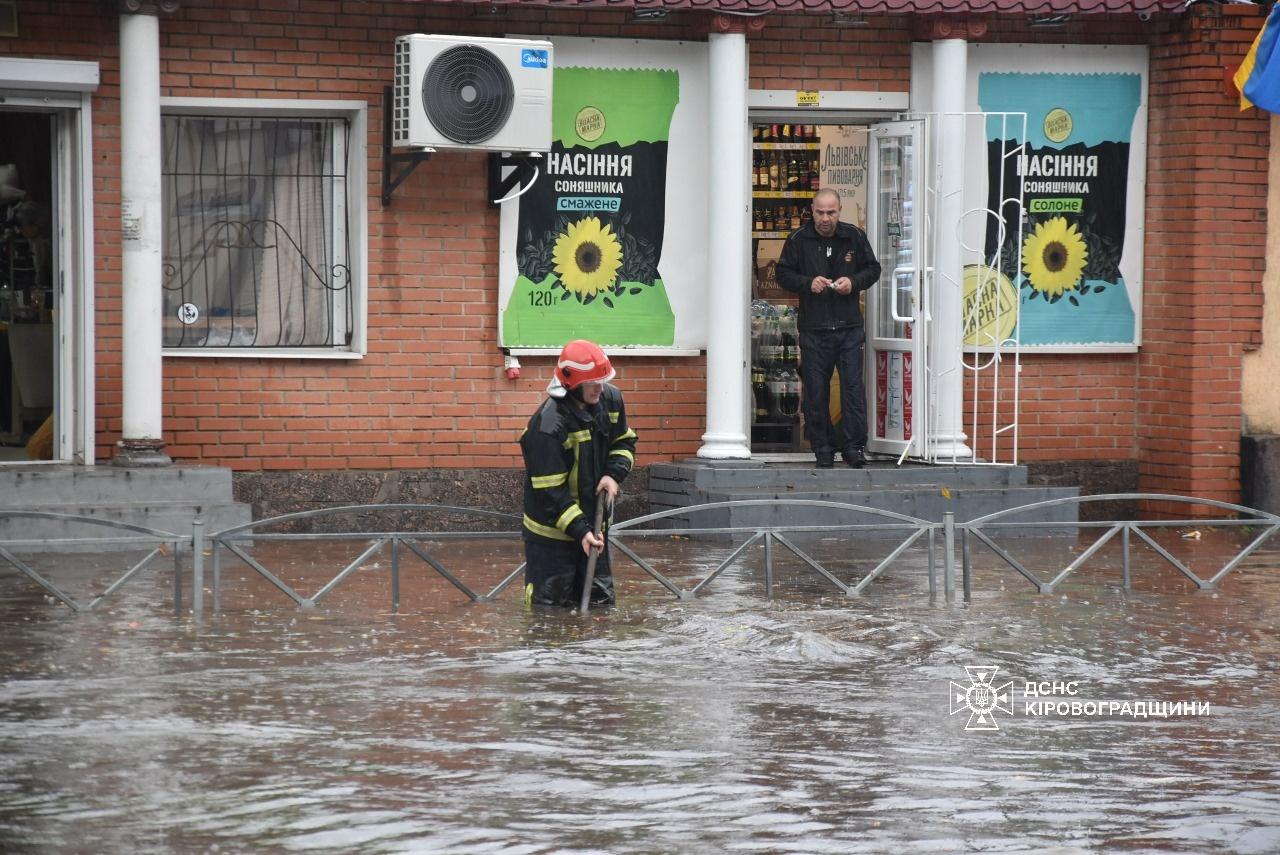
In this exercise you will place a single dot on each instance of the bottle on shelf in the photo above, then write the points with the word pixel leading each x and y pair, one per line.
pixel 788 399
pixel 795 216
pixel 775 180
pixel 813 173
pixel 758 220
pixel 793 173
pixel 760 391
pixel 777 388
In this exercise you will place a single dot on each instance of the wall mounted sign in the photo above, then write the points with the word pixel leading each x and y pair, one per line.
pixel 587 252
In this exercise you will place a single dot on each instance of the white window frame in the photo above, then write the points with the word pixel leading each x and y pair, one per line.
pixel 356 114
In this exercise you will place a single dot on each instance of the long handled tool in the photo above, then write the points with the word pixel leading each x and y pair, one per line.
pixel 595 554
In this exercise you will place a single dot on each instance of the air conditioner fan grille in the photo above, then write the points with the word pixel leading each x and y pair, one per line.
pixel 468 94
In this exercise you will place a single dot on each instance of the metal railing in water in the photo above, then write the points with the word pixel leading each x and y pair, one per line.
pixel 426 545
pixel 980 529
pixel 431 546
pixel 114 536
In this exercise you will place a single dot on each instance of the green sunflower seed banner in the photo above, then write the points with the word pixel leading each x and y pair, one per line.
pixel 1073 178
pixel 591 228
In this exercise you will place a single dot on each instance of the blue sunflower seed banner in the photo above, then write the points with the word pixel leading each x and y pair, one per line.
pixel 590 231
pixel 1074 177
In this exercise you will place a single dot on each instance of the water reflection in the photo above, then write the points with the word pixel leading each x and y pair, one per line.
pixel 810 724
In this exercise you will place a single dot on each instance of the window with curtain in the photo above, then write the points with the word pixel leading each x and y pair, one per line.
pixel 257 233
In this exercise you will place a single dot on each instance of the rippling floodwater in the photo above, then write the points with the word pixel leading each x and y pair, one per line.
pixel 809 724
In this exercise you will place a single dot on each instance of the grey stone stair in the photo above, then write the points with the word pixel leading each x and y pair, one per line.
pixel 167 499
pixel 731 475
pixel 924 492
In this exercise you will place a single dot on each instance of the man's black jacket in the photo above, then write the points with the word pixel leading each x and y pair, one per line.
pixel 805 256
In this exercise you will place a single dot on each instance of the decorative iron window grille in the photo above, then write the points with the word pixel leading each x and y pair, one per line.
pixel 256 232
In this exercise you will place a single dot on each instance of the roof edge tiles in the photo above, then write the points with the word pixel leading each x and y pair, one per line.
pixel 821 7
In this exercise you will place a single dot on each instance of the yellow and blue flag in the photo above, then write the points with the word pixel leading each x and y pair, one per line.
pixel 1258 77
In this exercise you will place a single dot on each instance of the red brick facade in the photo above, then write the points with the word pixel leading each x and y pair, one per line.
pixel 431 393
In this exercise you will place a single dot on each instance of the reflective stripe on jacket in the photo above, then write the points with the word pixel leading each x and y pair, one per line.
pixel 567 450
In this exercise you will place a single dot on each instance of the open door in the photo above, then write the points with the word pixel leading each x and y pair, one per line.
pixel 46 263
pixel 897 328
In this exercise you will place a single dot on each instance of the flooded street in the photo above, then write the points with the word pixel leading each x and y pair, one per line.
pixel 809 724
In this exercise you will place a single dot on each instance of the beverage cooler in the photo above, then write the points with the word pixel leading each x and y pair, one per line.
pixel 775 378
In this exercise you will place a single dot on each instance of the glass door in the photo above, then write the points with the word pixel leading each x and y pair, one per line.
pixel 896 371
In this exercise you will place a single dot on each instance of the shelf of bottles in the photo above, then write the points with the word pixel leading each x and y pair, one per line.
pixel 784 177
pixel 775 375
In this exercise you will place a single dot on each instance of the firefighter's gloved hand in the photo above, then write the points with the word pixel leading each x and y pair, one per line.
pixel 592 540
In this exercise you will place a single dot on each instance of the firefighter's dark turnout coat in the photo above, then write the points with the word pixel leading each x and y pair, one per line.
pixel 567 450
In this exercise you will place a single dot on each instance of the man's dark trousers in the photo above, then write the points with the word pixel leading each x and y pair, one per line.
pixel 822 351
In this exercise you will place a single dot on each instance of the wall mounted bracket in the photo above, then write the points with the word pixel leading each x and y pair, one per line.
pixel 525 173
pixel 409 160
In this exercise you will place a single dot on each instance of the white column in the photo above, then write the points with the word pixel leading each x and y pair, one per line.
pixel 947 440
pixel 728 286
pixel 140 231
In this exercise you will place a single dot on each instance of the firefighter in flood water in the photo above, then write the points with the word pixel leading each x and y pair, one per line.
pixel 577 450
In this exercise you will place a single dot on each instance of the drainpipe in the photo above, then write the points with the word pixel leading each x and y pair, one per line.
pixel 729 287
pixel 947 439
pixel 140 234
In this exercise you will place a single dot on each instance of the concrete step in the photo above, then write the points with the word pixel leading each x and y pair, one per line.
pixel 27 487
pixel 700 476
pixel 926 502
pixel 167 499
pixel 172 517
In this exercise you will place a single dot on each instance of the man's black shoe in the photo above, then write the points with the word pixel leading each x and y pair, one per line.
pixel 826 461
pixel 855 458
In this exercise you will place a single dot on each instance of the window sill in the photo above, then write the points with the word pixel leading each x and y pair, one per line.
pixel 260 353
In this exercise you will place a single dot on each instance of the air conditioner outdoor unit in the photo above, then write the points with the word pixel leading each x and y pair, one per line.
pixel 473 93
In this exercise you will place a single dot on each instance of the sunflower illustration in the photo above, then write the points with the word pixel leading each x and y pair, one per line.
pixel 587 257
pixel 1053 256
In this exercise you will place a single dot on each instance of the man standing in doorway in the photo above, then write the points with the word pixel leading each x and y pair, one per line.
pixel 829 263
pixel 577 450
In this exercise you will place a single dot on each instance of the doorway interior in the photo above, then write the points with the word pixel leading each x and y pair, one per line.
pixel 873 164
pixel 29 276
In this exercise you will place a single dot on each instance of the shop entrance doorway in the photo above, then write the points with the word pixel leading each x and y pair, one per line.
pixel 873 166
pixel 46 261
pixel 28 274
pixel 888 183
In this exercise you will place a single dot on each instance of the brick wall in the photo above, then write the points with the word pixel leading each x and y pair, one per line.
pixel 431 393
pixel 1206 210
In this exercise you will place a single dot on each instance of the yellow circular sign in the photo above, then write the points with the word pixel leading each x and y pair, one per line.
pixel 1057 125
pixel 990 306
pixel 590 124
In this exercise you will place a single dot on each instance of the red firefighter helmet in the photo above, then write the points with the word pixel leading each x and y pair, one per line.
pixel 583 361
